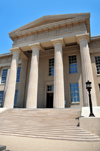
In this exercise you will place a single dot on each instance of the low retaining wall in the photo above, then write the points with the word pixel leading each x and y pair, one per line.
pixel 91 124
pixel 86 111
pixel 2 109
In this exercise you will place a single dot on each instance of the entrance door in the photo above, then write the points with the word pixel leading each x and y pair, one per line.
pixel 49 100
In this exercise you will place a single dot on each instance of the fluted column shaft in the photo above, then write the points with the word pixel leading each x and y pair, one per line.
pixel 33 80
pixel 87 73
pixel 10 91
pixel 58 77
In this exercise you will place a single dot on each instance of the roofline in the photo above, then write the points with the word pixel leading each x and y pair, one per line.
pixel 5 54
pixel 48 25
pixel 45 17
pixel 95 37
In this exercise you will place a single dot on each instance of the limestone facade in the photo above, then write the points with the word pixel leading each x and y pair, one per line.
pixel 51 37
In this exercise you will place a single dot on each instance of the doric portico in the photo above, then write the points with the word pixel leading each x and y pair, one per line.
pixel 56 63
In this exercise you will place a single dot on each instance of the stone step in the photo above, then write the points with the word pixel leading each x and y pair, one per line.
pixel 82 134
pixel 51 134
pixel 55 137
pixel 44 123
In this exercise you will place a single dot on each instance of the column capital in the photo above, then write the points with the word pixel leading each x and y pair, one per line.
pixel 36 45
pixel 58 41
pixel 82 36
pixel 16 49
pixel 21 53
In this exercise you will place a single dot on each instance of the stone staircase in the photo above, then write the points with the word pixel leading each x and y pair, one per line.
pixel 45 123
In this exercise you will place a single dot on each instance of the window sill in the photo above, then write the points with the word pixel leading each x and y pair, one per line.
pixel 73 73
pixel 50 75
pixel 1 84
pixel 73 103
pixel 98 75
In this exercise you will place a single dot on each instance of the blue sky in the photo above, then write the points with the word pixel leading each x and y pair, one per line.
pixel 16 13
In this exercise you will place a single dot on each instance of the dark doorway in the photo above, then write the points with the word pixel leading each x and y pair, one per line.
pixel 49 100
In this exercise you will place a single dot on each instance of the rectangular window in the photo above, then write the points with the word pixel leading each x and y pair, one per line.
pixel 50 88
pixel 15 99
pixel 72 64
pixel 97 62
pixel 4 75
pixel 1 97
pixel 74 92
pixel 51 67
pixel 18 74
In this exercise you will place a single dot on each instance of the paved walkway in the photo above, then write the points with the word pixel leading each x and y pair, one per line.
pixel 14 143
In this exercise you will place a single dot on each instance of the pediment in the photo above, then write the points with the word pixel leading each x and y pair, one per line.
pixel 47 20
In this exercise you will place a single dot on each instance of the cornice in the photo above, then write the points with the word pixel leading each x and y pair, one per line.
pixel 82 36
pixel 58 41
pixel 48 26
pixel 50 33
pixel 95 37
pixel 46 19
pixel 6 54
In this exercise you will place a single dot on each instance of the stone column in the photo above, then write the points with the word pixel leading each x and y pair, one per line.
pixel 21 88
pixel 87 73
pixel 59 97
pixel 33 78
pixel 11 85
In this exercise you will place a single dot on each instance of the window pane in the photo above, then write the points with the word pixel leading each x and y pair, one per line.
pixel 15 99
pixel 97 62
pixel 74 92
pixel 72 64
pixel 50 88
pixel 4 75
pixel 18 74
pixel 1 97
pixel 51 67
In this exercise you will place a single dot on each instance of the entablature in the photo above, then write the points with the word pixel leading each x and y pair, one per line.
pixel 45 27
pixel 52 29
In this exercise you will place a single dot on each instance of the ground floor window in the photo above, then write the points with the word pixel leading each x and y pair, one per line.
pixel 51 67
pixel 4 75
pixel 74 92
pixel 1 97
pixel 18 74
pixel 97 62
pixel 15 99
pixel 50 88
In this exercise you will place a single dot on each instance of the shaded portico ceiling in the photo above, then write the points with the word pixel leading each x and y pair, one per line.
pixel 51 19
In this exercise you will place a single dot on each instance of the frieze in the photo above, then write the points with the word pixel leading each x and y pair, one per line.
pixel 44 53
pixel 5 60
pixel 95 44
pixel 50 32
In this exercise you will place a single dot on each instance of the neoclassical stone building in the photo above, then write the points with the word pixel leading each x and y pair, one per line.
pixel 51 59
